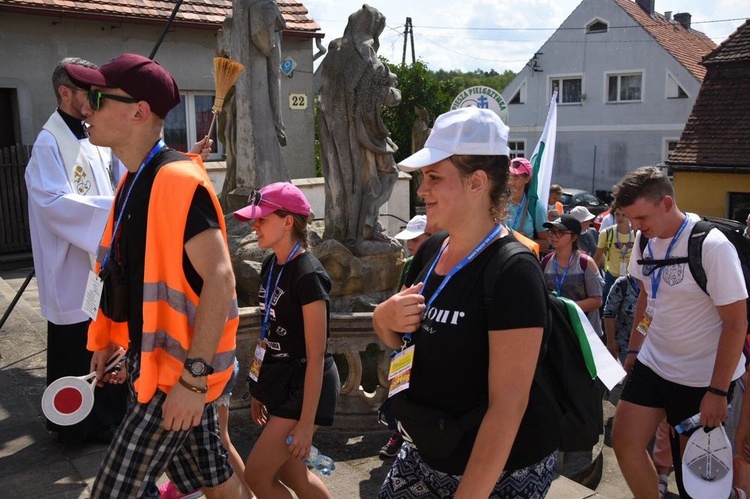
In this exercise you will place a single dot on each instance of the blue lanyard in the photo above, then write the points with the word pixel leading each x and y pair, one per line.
pixel 519 212
pixel 465 261
pixel 154 151
pixel 559 281
pixel 656 276
pixel 270 292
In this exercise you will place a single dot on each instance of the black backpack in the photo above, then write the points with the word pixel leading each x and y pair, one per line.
pixel 562 373
pixel 732 230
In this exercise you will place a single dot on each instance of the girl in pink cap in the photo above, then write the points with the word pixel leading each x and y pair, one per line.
pixel 293 379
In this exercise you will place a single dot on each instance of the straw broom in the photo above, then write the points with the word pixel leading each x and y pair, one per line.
pixel 226 72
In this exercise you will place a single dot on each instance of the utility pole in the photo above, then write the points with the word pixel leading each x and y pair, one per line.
pixel 408 33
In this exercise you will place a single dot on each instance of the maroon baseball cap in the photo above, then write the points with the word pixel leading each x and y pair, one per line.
pixel 277 196
pixel 138 76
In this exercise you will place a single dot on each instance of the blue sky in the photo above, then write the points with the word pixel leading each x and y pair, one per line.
pixel 442 40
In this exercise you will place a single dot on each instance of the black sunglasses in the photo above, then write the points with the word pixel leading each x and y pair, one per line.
pixel 554 231
pixel 256 197
pixel 95 99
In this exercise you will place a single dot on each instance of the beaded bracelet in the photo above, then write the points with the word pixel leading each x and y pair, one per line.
pixel 633 352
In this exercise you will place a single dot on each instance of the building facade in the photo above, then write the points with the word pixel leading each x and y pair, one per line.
pixel 36 34
pixel 627 77
pixel 711 163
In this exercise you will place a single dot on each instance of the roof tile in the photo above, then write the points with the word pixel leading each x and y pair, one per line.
pixel 688 46
pixel 209 13
pixel 716 132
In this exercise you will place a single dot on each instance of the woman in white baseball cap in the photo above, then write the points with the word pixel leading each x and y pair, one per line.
pixel 470 358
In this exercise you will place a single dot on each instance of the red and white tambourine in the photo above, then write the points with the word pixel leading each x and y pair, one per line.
pixel 68 400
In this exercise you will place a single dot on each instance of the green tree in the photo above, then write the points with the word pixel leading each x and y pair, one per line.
pixel 433 90
pixel 418 86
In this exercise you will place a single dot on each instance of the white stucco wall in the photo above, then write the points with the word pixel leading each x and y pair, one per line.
pixel 31 46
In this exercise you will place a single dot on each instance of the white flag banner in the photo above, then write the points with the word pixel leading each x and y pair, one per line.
pixel 544 156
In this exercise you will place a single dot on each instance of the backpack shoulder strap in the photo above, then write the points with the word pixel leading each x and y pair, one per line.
pixel 642 242
pixel 584 261
pixel 695 252
pixel 498 263
pixel 610 235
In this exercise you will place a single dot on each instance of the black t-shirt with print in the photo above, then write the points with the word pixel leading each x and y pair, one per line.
pixel 303 281
pixel 132 250
pixel 451 362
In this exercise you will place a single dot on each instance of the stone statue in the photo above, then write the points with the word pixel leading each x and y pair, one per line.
pixel 420 129
pixel 252 36
pixel 357 151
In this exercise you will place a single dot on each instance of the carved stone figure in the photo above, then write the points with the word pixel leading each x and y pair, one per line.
pixel 420 130
pixel 357 151
pixel 252 36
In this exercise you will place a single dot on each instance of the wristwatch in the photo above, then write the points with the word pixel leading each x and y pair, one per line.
pixel 198 367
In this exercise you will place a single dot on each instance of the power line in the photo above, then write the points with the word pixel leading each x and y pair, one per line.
pixel 469 28
pixel 466 55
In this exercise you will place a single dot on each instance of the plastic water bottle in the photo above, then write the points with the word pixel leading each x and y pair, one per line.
pixel 694 422
pixel 317 461
pixel 689 424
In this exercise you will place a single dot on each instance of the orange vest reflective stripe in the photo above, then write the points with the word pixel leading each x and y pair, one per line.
pixel 169 302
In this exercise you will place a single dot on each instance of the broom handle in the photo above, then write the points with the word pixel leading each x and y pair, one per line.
pixel 211 126
pixel 166 28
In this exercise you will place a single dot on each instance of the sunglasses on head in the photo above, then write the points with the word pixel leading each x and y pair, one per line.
pixel 95 99
pixel 256 197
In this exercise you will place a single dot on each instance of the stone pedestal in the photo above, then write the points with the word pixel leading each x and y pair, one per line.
pixel 359 281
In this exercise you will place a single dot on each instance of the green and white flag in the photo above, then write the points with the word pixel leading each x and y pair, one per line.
pixel 599 361
pixel 543 159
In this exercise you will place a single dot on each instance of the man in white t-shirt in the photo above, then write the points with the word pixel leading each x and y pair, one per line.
pixel 685 350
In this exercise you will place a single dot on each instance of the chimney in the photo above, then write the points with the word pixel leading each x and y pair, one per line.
pixel 647 6
pixel 684 19
pixel 668 15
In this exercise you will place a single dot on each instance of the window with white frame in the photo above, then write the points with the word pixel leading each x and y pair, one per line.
pixel 517 148
pixel 670 144
pixel 188 123
pixel 569 89
pixel 625 87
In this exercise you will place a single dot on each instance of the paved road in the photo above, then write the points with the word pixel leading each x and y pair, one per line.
pixel 33 464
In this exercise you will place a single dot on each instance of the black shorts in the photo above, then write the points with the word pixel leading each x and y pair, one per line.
pixel 291 408
pixel 646 388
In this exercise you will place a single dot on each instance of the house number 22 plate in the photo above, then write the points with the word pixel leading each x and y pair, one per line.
pixel 297 101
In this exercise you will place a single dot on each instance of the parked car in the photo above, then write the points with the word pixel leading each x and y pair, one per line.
pixel 577 197
pixel 597 223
